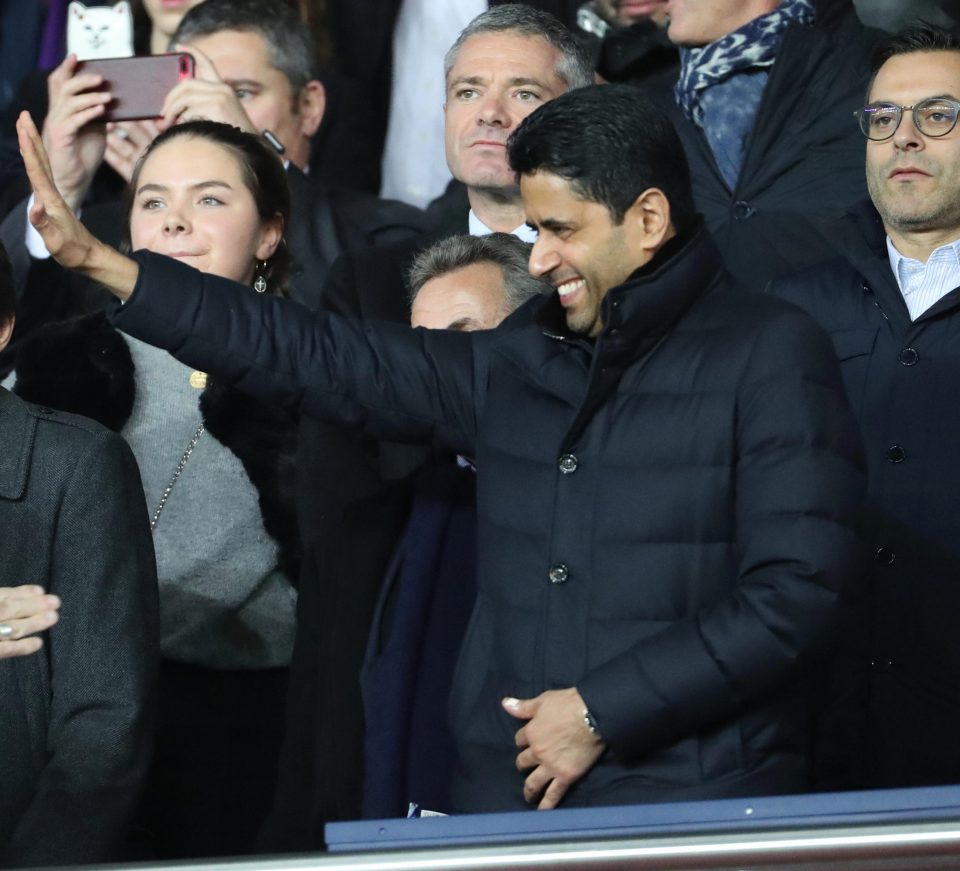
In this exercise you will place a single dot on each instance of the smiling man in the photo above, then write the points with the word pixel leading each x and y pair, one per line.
pixel 668 478
pixel 892 306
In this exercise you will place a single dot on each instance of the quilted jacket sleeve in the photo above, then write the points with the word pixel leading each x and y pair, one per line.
pixel 385 380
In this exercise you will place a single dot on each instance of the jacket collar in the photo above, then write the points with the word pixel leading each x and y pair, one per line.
pixel 862 237
pixel 642 310
pixel 17 431
pixel 640 314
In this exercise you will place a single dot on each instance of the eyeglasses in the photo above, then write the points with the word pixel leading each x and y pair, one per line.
pixel 934 117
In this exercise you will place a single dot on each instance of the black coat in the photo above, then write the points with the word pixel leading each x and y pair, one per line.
pixel 353 499
pixel 421 618
pixel 76 723
pixel 665 516
pixel 327 222
pixel 804 162
pixel 902 677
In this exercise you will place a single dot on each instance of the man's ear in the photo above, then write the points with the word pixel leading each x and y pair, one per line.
pixel 651 219
pixel 312 104
pixel 6 330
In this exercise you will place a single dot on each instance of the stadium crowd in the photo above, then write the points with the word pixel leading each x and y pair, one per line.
pixel 474 407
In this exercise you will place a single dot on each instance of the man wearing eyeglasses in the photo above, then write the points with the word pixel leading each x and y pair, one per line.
pixel 892 307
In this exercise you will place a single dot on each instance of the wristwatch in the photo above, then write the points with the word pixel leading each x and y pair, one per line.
pixel 590 722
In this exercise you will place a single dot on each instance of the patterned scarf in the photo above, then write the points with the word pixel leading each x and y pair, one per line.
pixel 721 84
pixel 753 46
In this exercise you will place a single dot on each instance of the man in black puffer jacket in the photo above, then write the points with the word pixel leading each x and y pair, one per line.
pixel 669 473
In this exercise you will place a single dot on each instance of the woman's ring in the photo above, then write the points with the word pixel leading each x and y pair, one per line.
pixel 6 631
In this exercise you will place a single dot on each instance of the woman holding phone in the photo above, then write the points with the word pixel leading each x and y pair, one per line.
pixel 49 94
pixel 218 472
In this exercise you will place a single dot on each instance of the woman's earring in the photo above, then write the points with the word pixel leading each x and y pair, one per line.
pixel 260 285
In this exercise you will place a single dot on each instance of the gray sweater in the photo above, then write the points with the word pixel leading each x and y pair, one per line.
pixel 223 602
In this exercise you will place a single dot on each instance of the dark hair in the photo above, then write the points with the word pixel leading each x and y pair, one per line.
pixel 575 67
pixel 611 143
pixel 501 249
pixel 286 36
pixel 8 298
pixel 922 36
pixel 263 174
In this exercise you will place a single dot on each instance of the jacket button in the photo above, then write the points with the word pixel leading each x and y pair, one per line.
pixel 909 357
pixel 885 556
pixel 568 464
pixel 896 454
pixel 558 574
pixel 742 210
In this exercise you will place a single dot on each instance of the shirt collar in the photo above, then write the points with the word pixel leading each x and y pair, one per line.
pixel 900 264
pixel 478 228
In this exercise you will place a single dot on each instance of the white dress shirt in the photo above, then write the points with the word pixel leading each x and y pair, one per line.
pixel 924 284
pixel 476 227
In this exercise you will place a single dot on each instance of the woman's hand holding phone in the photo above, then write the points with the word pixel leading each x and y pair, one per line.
pixel 73 141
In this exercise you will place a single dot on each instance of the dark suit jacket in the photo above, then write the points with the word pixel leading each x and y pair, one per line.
pixel 77 718
pixel 892 688
pixel 421 619
pixel 326 222
pixel 352 506
pixel 803 166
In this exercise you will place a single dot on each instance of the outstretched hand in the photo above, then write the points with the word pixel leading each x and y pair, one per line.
pixel 63 234
pixel 67 240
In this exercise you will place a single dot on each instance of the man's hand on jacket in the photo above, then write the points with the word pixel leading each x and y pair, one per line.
pixel 555 743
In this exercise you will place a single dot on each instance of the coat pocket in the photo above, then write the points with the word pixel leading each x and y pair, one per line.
pixel 851 343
